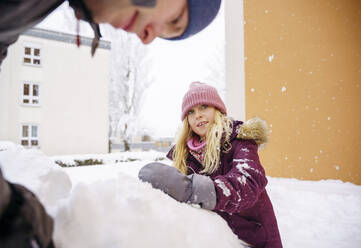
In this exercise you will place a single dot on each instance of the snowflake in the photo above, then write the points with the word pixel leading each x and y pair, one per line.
pixel 242 169
pixel 224 188
pixel 242 180
pixel 242 160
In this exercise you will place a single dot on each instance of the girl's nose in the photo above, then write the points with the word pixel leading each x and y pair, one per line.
pixel 198 115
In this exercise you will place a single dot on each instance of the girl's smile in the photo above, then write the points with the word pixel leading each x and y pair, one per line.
pixel 202 123
pixel 200 118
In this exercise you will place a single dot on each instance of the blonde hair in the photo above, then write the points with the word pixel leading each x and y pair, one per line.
pixel 217 138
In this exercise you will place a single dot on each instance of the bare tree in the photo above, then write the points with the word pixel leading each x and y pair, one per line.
pixel 130 80
pixel 216 68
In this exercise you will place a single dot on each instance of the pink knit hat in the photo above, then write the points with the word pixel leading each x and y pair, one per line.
pixel 200 93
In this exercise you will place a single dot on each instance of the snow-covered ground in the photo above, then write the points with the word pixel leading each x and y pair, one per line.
pixel 107 206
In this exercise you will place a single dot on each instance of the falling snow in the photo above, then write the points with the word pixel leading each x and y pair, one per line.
pixel 270 58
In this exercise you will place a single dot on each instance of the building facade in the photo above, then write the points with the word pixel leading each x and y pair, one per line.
pixel 54 95
pixel 298 66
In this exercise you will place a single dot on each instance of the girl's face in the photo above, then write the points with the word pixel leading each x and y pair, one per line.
pixel 200 118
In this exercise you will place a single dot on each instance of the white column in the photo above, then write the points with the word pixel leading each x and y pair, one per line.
pixel 235 72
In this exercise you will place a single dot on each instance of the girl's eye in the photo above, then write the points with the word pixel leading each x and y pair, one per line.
pixel 190 112
pixel 204 106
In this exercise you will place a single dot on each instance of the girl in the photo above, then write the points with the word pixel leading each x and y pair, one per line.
pixel 216 165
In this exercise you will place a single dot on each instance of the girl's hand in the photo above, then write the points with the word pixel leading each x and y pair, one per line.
pixel 203 191
pixel 197 189
pixel 168 179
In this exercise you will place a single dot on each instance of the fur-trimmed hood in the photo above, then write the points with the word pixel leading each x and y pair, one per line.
pixel 255 129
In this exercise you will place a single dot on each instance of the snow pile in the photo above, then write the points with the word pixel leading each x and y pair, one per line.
pixel 124 212
pixel 309 213
pixel 109 207
pixel 89 174
pixel 36 171
pixel 118 211
pixel 323 213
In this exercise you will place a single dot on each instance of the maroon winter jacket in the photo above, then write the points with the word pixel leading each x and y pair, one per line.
pixel 242 199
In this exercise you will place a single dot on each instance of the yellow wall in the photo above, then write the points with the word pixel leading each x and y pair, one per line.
pixel 303 76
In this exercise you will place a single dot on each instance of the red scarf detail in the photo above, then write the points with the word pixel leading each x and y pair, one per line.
pixel 197 148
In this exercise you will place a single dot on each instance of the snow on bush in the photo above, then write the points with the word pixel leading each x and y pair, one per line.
pixel 120 157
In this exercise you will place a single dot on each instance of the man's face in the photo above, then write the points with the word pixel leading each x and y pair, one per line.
pixel 167 19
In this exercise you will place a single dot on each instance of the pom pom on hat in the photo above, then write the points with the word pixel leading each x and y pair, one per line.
pixel 200 93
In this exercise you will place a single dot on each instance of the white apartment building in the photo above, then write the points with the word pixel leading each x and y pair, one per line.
pixel 54 95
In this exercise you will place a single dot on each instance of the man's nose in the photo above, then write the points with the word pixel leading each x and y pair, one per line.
pixel 150 32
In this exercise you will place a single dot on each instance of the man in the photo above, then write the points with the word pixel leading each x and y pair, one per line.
pixel 23 220
pixel 148 19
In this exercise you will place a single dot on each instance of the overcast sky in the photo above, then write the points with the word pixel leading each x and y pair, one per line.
pixel 175 65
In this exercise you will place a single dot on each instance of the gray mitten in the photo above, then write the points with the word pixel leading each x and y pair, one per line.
pixel 197 189
pixel 203 191
pixel 168 179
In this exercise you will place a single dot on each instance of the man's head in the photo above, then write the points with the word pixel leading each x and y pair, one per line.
pixel 169 19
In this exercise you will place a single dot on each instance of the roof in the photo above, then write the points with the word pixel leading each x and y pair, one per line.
pixel 64 37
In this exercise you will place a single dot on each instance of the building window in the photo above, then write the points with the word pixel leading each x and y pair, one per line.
pixel 32 55
pixel 30 135
pixel 30 94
